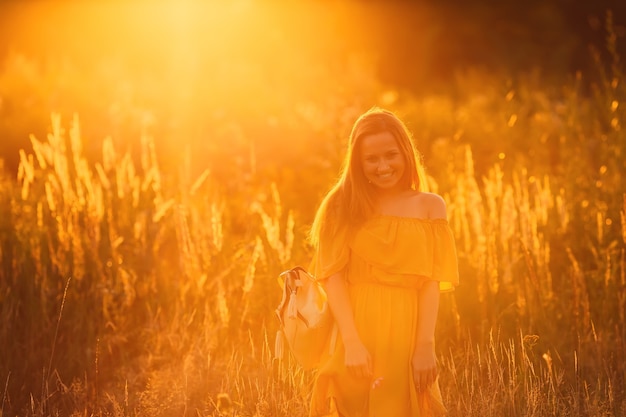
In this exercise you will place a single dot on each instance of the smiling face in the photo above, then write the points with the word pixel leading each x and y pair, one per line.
pixel 382 161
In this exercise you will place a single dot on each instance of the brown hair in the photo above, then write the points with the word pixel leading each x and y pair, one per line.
pixel 351 200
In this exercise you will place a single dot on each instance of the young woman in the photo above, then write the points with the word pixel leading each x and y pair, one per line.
pixel 384 252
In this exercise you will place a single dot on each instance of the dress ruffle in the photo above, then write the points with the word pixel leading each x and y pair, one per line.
pixel 394 247
pixel 385 261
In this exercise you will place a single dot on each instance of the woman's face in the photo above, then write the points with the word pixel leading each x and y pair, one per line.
pixel 382 161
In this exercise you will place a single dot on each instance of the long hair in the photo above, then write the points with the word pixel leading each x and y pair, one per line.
pixel 351 199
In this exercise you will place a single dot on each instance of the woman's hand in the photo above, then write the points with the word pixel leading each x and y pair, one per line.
pixel 358 359
pixel 424 365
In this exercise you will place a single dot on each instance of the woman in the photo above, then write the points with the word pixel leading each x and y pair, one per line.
pixel 383 251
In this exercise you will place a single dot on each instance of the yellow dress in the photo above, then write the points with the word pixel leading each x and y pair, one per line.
pixel 385 263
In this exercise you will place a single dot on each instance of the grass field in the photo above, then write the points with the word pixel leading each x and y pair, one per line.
pixel 131 285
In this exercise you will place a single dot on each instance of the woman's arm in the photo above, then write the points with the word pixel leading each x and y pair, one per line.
pixel 424 361
pixel 428 310
pixel 358 360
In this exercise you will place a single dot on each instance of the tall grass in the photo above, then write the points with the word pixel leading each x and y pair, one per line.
pixel 130 290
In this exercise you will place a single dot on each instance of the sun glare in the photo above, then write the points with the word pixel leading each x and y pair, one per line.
pixel 174 31
pixel 190 54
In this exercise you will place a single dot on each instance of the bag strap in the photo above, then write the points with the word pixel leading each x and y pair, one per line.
pixel 286 280
pixel 290 281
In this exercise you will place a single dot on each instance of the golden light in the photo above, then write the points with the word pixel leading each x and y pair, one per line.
pixel 216 43
pixel 512 120
pixel 182 69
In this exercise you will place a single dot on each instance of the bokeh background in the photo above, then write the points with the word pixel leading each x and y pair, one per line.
pixel 161 161
pixel 181 68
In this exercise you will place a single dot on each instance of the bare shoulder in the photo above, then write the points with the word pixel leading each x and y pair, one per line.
pixel 418 204
pixel 434 204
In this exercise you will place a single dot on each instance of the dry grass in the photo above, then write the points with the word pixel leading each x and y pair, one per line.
pixel 126 290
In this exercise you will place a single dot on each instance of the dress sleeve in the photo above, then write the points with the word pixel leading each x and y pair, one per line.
pixel 331 256
pixel 445 265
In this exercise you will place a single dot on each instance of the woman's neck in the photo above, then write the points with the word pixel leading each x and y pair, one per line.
pixel 394 202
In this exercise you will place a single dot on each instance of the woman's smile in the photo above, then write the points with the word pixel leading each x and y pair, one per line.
pixel 382 161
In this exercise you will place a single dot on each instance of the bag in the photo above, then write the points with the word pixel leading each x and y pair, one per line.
pixel 306 322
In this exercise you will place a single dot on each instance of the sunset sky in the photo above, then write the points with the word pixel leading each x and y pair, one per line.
pixel 176 64
pixel 427 37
